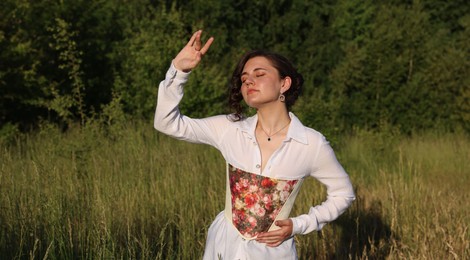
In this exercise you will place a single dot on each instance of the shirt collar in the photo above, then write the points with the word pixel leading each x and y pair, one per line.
pixel 296 129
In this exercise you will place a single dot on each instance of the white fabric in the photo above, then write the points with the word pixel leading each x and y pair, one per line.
pixel 304 152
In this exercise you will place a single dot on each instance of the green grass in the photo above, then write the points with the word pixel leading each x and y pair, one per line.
pixel 130 192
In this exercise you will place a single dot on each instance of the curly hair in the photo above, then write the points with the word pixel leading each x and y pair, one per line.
pixel 284 68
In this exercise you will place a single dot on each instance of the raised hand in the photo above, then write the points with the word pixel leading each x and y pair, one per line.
pixel 190 56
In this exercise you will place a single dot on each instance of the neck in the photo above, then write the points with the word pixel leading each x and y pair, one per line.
pixel 273 119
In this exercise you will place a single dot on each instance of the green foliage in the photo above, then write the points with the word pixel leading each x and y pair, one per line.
pixel 8 133
pixel 65 101
pixel 387 77
pixel 364 62
pixel 152 37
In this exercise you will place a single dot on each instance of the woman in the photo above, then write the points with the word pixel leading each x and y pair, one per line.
pixel 268 155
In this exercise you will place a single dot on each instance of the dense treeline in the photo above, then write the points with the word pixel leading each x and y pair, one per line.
pixel 367 64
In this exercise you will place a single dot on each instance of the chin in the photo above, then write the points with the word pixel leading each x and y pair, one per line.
pixel 252 104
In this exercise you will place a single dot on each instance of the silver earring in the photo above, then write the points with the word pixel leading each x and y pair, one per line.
pixel 282 98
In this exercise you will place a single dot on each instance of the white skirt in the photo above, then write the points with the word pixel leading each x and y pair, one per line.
pixel 224 242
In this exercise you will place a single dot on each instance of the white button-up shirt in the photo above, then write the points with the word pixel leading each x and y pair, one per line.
pixel 304 151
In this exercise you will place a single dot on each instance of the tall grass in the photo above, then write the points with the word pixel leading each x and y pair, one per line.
pixel 130 192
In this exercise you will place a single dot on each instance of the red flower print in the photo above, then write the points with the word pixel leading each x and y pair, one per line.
pixel 252 221
pixel 244 183
pixel 251 199
pixel 284 195
pixel 258 210
pixel 256 200
pixel 253 188
pixel 267 183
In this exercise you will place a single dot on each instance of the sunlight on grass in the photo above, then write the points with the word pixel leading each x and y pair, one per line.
pixel 130 192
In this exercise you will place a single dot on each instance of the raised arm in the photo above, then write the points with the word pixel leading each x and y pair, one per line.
pixel 168 118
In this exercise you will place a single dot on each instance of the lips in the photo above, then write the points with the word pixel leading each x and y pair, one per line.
pixel 251 91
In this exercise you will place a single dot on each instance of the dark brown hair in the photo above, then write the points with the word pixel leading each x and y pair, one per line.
pixel 283 66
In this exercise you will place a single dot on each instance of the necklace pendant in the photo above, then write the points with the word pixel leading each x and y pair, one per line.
pixel 269 139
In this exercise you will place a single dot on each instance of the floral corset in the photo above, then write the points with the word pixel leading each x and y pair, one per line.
pixel 254 201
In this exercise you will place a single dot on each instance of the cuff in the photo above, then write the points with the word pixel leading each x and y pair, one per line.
pixel 303 225
pixel 174 73
pixel 295 227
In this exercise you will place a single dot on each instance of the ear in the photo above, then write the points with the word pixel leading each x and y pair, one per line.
pixel 286 85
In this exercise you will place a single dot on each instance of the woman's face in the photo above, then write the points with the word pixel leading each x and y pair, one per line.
pixel 261 83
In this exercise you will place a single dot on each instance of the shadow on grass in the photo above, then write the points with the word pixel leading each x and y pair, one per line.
pixel 364 234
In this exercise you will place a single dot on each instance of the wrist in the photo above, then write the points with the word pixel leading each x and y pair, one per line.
pixel 177 67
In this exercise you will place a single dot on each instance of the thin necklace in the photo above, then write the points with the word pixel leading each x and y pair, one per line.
pixel 269 136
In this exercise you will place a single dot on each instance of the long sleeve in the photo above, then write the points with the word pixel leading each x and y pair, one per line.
pixel 340 193
pixel 170 121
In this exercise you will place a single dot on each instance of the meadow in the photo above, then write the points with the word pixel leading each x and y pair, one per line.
pixel 128 192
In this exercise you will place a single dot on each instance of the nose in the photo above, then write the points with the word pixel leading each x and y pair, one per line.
pixel 249 82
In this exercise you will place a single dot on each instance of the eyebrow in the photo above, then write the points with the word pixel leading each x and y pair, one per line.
pixel 257 69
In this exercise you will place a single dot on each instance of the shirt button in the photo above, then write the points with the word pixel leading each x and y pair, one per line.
pixel 258 166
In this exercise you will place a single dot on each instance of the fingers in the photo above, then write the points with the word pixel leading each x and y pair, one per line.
pixel 207 45
pixel 190 56
pixel 193 38
pixel 274 244
pixel 196 43
pixel 275 238
pixel 271 239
